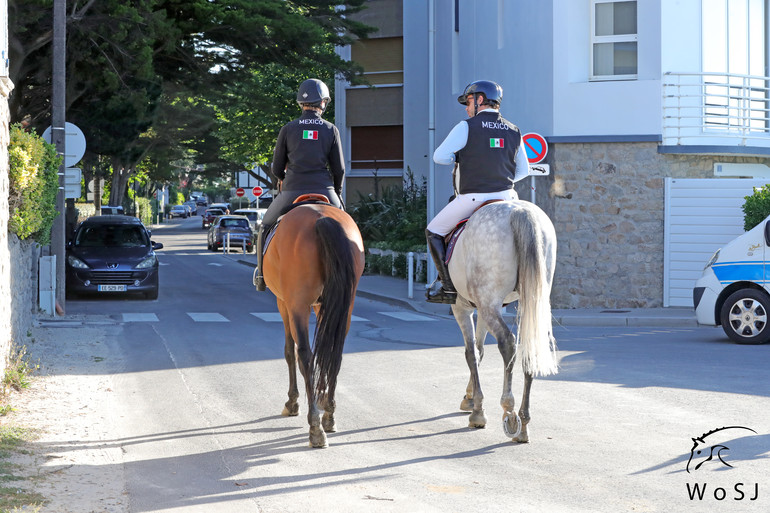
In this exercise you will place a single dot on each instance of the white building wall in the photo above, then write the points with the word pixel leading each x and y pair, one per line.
pixel 617 108
pixel 681 36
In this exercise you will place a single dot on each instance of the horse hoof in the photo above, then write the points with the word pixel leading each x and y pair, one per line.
pixel 318 438
pixel 512 425
pixel 466 404
pixel 329 425
pixel 290 410
pixel 477 420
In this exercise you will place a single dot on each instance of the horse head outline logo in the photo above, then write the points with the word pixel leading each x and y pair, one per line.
pixel 703 451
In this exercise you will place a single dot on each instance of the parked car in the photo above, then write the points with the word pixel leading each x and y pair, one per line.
pixel 236 227
pixel 201 201
pixel 254 214
pixel 178 211
pixel 207 219
pixel 225 207
pixel 112 254
pixel 733 291
pixel 193 207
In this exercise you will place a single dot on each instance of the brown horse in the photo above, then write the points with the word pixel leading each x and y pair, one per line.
pixel 315 260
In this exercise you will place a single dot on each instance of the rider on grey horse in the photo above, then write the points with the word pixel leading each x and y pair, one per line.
pixel 489 156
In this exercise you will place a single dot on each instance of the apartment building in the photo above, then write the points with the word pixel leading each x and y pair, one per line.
pixel 655 113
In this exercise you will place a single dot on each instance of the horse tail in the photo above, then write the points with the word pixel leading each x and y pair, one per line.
pixel 338 288
pixel 535 333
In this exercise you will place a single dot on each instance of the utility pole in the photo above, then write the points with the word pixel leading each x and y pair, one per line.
pixel 58 118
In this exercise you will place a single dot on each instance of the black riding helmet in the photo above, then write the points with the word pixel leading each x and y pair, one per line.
pixel 313 91
pixel 491 90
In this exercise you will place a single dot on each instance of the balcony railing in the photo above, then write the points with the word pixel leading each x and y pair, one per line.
pixel 716 109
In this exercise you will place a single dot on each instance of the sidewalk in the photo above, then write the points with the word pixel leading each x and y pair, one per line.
pixel 396 291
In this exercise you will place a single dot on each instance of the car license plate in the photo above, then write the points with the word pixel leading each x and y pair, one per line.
pixel 111 288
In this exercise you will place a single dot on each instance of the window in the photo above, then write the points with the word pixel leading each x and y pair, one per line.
pixel 735 88
pixel 382 59
pixel 377 147
pixel 613 40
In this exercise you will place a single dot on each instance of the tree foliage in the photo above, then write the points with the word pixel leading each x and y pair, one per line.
pixel 158 81
pixel 756 207
pixel 33 185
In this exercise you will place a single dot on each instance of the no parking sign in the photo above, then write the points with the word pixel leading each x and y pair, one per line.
pixel 536 147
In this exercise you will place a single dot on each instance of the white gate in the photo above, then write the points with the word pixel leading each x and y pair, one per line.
pixel 702 215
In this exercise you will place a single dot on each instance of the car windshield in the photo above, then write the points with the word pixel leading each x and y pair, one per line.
pixel 177 207
pixel 235 223
pixel 214 212
pixel 100 236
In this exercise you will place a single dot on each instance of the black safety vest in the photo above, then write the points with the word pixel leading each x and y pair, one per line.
pixel 308 154
pixel 488 160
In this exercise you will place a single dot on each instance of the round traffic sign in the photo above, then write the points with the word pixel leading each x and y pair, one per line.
pixel 74 143
pixel 239 192
pixel 257 191
pixel 536 147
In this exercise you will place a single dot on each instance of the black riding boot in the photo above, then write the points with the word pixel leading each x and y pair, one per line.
pixel 259 280
pixel 447 293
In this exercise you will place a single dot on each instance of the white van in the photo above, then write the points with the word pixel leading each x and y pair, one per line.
pixel 733 291
pixel 255 216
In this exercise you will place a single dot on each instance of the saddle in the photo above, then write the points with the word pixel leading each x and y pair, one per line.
pixel 304 199
pixel 452 237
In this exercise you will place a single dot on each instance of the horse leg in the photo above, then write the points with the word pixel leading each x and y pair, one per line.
pixel 474 397
pixel 291 408
pixel 524 417
pixel 506 343
pixel 300 318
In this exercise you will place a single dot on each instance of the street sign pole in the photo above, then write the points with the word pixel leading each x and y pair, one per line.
pixel 58 116
pixel 537 148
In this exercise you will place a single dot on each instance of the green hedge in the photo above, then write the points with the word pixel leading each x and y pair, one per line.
pixel 756 207
pixel 33 185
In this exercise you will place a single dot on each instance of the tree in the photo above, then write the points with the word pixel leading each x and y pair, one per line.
pixel 130 63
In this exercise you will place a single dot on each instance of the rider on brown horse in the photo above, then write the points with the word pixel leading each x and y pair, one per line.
pixel 307 159
pixel 492 157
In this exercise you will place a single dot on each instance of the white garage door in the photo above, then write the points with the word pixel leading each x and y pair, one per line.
pixel 702 214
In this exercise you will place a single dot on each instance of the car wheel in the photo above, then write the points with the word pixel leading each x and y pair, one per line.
pixel 153 294
pixel 745 316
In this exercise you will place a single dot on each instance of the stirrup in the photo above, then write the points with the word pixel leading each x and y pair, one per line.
pixel 441 296
pixel 258 281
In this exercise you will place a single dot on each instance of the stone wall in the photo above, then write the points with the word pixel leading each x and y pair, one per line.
pixel 607 204
pixel 6 291
pixel 18 259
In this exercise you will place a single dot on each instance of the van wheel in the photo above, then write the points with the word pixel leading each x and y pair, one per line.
pixel 745 317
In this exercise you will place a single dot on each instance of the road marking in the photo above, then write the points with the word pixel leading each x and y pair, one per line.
pixel 276 317
pixel 267 316
pixel 214 263
pixel 207 317
pixel 407 316
pixel 140 317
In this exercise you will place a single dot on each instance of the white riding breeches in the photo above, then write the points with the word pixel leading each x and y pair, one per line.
pixel 463 206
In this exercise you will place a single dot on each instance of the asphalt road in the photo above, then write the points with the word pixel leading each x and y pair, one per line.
pixel 199 381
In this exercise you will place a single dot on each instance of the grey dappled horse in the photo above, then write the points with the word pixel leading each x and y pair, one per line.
pixel 506 253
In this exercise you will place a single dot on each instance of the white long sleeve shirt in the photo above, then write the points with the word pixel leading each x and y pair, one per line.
pixel 457 139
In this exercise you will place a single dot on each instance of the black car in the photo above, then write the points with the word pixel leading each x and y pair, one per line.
pixel 111 254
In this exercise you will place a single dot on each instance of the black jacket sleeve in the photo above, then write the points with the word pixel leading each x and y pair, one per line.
pixel 337 161
pixel 280 157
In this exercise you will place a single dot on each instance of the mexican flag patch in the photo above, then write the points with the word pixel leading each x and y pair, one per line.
pixel 310 134
pixel 496 143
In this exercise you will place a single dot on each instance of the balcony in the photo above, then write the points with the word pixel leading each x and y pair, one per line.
pixel 716 113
